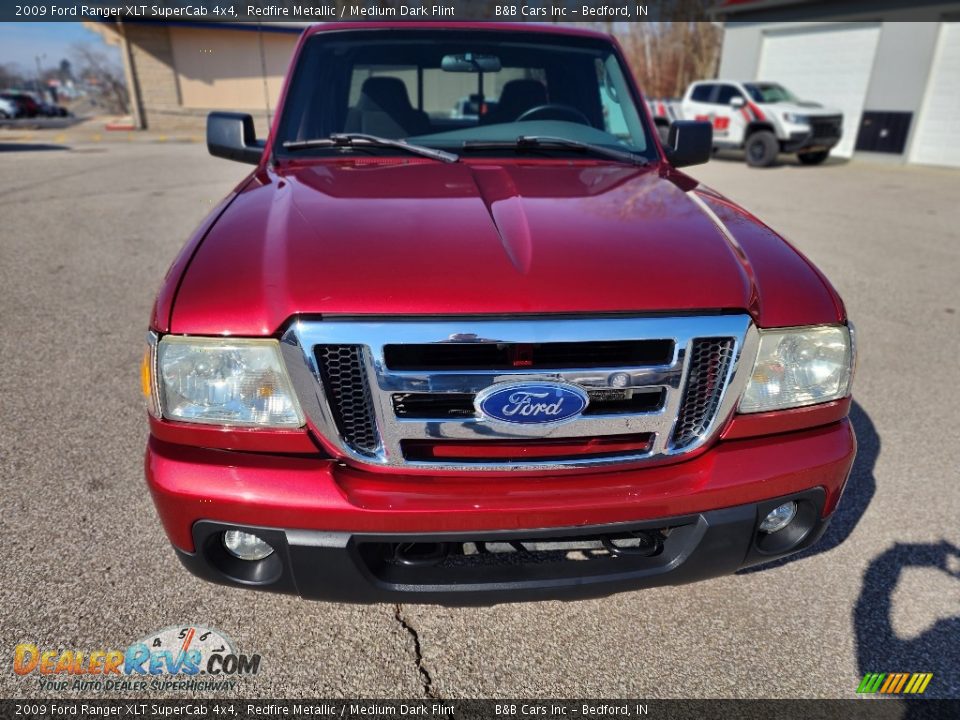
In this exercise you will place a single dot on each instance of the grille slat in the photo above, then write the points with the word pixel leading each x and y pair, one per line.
pixel 422 406
pixel 506 356
pixel 348 391
pixel 709 363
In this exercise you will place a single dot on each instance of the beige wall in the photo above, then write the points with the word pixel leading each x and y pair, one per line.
pixel 223 69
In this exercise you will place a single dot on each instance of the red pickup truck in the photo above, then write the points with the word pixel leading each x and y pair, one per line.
pixel 466 359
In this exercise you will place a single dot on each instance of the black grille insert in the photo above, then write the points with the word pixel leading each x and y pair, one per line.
pixel 710 361
pixel 451 406
pixel 507 356
pixel 348 392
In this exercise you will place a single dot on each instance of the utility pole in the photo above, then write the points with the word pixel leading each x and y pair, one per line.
pixel 39 71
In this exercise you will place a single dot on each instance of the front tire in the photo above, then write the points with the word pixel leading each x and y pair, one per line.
pixel 813 158
pixel 762 148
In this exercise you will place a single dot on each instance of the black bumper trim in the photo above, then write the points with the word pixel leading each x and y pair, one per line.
pixel 351 567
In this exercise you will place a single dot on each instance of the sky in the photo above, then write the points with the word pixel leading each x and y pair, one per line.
pixel 21 42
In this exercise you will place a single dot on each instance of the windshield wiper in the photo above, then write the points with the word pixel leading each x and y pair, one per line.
pixel 542 141
pixel 361 140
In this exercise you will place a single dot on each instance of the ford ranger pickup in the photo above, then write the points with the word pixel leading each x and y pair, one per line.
pixel 513 354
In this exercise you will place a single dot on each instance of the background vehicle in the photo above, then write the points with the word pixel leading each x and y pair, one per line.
pixel 26 105
pixel 8 109
pixel 764 119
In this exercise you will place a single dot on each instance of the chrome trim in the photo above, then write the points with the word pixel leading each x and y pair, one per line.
pixel 484 394
pixel 298 343
pixel 155 409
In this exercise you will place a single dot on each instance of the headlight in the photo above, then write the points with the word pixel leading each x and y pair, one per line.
pixel 220 381
pixel 803 366
pixel 796 119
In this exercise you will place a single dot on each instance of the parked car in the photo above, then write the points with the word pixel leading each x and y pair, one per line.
pixel 53 110
pixel 8 109
pixel 524 358
pixel 764 119
pixel 26 105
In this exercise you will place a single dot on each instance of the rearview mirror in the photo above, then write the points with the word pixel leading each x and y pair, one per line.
pixel 231 136
pixel 470 62
pixel 737 102
pixel 690 142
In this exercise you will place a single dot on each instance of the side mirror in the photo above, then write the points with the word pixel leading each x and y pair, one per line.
pixel 737 102
pixel 231 136
pixel 690 142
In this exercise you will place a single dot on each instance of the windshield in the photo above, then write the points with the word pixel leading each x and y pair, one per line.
pixel 447 89
pixel 769 93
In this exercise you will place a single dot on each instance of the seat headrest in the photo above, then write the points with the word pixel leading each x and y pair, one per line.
pixel 386 93
pixel 522 93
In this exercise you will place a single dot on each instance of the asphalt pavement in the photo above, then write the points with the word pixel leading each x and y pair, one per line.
pixel 86 233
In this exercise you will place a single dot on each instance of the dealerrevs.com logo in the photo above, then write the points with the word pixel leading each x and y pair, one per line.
pixel 186 657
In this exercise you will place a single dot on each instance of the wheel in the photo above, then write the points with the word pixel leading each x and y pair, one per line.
pixel 762 148
pixel 813 158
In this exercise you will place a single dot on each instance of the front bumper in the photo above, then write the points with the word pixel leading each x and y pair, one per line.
pixel 431 567
pixel 810 141
pixel 320 512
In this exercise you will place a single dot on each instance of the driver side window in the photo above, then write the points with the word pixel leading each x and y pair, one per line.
pixel 726 94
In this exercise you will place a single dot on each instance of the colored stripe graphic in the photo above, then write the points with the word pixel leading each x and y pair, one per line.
pixel 871 682
pixel 895 683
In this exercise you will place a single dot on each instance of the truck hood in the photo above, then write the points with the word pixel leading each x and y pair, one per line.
pixel 389 236
pixel 803 107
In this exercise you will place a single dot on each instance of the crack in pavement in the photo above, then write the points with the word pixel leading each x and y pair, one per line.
pixel 425 679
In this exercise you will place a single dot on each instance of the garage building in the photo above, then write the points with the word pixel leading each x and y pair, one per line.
pixel 897 82
pixel 177 72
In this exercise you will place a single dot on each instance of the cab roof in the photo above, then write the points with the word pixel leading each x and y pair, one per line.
pixel 528 27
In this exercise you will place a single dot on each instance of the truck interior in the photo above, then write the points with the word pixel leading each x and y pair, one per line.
pixel 448 85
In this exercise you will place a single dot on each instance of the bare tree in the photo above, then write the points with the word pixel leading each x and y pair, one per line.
pixel 95 68
pixel 667 56
pixel 10 76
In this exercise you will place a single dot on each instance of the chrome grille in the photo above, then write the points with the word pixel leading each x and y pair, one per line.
pixel 709 364
pixel 345 382
pixel 368 411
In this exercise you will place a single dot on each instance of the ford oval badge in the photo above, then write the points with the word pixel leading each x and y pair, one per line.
pixel 531 403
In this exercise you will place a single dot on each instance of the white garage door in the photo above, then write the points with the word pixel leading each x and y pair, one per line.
pixel 828 65
pixel 937 138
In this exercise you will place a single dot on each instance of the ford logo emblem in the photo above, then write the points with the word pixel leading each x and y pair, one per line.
pixel 531 403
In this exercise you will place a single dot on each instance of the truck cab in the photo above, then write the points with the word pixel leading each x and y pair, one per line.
pixel 763 119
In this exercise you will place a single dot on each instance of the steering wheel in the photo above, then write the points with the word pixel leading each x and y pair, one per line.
pixel 553 111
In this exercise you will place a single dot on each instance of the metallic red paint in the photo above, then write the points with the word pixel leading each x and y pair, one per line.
pixel 504 237
pixel 190 484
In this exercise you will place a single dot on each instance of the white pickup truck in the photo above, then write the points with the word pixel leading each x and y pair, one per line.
pixel 762 118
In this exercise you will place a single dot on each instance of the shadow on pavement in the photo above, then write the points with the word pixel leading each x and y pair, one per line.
pixel 29 147
pixel 857 494
pixel 936 649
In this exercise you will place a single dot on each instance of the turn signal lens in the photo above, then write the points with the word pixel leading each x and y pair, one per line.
pixel 146 377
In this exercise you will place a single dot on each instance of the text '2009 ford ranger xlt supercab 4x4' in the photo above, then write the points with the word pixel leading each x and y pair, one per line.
pixel 512 355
